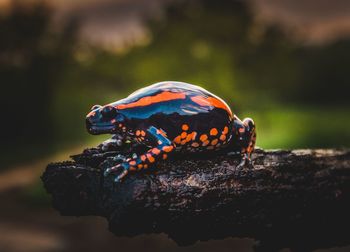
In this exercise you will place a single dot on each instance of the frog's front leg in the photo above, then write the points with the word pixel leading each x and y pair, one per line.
pixel 161 146
pixel 113 142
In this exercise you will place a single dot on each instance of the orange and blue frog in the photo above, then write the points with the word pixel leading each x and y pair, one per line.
pixel 168 117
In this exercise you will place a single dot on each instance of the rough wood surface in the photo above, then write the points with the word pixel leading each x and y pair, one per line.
pixel 297 199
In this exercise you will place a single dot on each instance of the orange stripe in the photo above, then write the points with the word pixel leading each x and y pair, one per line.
pixel 148 100
pixel 211 101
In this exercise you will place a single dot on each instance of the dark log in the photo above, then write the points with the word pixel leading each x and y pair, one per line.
pixel 297 199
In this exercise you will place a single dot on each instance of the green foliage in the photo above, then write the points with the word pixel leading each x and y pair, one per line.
pixel 302 127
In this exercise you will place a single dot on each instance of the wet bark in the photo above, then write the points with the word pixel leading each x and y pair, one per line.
pixel 297 199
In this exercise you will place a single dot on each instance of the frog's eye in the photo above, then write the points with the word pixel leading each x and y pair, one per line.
pixel 95 107
pixel 109 112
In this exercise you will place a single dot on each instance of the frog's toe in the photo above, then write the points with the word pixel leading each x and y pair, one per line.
pixel 119 158
pixel 239 168
pixel 114 169
pixel 246 163
pixel 250 164
pixel 106 146
pixel 119 178
pixel 121 170
pixel 115 142
pixel 107 172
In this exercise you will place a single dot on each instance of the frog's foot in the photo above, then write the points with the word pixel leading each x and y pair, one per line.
pixel 121 170
pixel 246 163
pixel 162 146
pixel 114 142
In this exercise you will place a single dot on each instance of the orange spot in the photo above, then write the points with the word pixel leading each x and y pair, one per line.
pixel 225 131
pixel 143 133
pixel 195 144
pixel 156 151
pixel 185 127
pixel 145 166
pixel 138 132
pixel 148 100
pixel 203 137
pixel 212 102
pixel 139 166
pixel 183 135
pixel 189 137
pixel 183 142
pixel 177 139
pixel 213 132
pixel 205 143
pixel 214 142
pixel 165 156
pixel 132 162
pixel 168 148
pixel 151 159
pixel 132 169
pixel 222 137
pixel 143 157
pixel 241 130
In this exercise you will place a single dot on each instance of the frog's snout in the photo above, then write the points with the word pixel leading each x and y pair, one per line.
pixel 88 124
pixel 91 127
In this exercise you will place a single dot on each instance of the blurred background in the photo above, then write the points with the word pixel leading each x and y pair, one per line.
pixel 284 63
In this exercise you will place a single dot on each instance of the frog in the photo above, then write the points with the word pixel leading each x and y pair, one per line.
pixel 169 117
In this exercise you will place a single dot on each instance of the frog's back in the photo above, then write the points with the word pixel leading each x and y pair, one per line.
pixel 168 98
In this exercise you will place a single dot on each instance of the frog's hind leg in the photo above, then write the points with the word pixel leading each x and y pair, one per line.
pixel 246 163
pixel 161 147
pixel 246 131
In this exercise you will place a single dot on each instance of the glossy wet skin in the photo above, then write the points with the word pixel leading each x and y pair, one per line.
pixel 189 117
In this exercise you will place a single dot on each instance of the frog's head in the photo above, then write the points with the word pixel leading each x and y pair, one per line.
pixel 246 135
pixel 104 119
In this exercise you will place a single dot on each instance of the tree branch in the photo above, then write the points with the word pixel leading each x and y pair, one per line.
pixel 297 199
